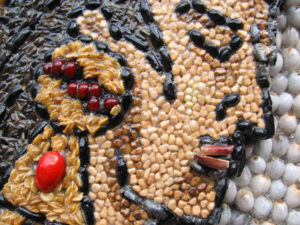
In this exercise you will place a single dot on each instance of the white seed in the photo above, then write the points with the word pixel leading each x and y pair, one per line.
pixel 293 218
pixel 293 154
pixel 291 59
pixel 285 103
pixel 267 223
pixel 291 173
pixel 225 216
pixel 278 40
pixel 260 184
pixel 244 200
pixel 238 218
pixel 277 190
pixel 296 106
pixel 288 123
pixel 280 144
pixel 275 101
pixel 290 37
pixel 293 15
pixel 249 149
pixel 281 22
pixel 274 70
pixel 292 196
pixel 262 207
pixel 230 192
pixel 279 84
pixel 244 179
pixel 275 168
pixel 294 83
pixel 257 164
pixel 297 134
pixel 263 148
pixel 279 211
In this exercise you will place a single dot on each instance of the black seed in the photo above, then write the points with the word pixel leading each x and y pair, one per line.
pixel 238 137
pixel 84 151
pixel 260 133
pixel 38 70
pixel 220 112
pixel 146 11
pixel 156 36
pixel 211 48
pixel 36 130
pixel 169 89
pixel 266 101
pixel 101 46
pixel 57 127
pixel 85 38
pixel 223 141
pixel 183 7
pixel 269 124
pixel 5 203
pixel 131 196
pixel 34 90
pixel 107 12
pixel 153 59
pixel 34 216
pixel 137 42
pixel 65 41
pixel 233 169
pixel 47 222
pixel 206 139
pixel 20 39
pixel 84 175
pixel 166 59
pixel 254 33
pixel 263 82
pixel 241 165
pixel 220 190
pixel 120 58
pixel 13 95
pixel 21 152
pixel 216 16
pixel 156 210
pixel 199 6
pixel 4 20
pixel 236 42
pixel 76 12
pixel 73 29
pixel 30 222
pixel 231 99
pixel 245 126
pixel 115 32
pixel 5 177
pixel 116 120
pixel 127 77
pixel 272 29
pixel 234 24
pixel 79 132
pixel 126 101
pixel 51 4
pixel 214 216
pixel 88 208
pixel 274 8
pixel 197 37
pixel 35 18
pixel 92 4
pixel 225 53
pixel 238 152
pixel 41 110
pixel 122 173
pixel 48 56
pixel 2 112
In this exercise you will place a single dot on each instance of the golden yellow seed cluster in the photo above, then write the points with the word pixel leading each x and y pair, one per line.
pixel 63 203
pixel 12 218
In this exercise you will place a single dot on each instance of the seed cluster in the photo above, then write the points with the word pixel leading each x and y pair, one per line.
pixel 9 217
pixel 63 203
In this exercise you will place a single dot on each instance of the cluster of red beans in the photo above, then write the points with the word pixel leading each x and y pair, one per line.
pixel 82 90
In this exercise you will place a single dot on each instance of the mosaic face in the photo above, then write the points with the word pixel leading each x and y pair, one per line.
pixel 192 77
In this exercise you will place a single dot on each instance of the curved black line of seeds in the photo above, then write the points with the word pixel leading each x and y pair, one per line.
pixel 229 100
pixel 223 53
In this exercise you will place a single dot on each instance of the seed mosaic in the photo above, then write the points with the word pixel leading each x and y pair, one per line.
pixel 150 104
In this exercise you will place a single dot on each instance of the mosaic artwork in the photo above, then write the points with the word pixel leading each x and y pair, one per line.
pixel 145 108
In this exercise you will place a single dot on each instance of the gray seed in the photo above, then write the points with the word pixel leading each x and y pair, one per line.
pixel 277 190
pixel 275 168
pixel 262 207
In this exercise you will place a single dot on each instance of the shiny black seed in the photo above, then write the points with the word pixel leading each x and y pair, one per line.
pixel 36 130
pixel 220 112
pixel 35 18
pixel 73 29
pixel 116 120
pixel 120 58
pixel 76 12
pixel 48 56
pixel 115 32
pixel 223 141
pixel 127 77
pixel 245 126
pixel 214 216
pixel 225 53
pixel 216 16
pixel 2 112
pixel 57 127
pixel 169 89
pixel 107 12
pixel 34 216
pixel 5 176
pixel 101 46
pixel 146 11
pixel 231 99
pixel 126 101
pixel 130 195
pixel 236 42
pixel 156 36
pixel 166 59
pixel 197 37
pixel 259 133
pixel 137 42
pixel 47 222
pixel 263 81
pixel 41 110
pixel 154 60
pixel 65 41
pixel 238 152
pixel 122 173
pixel 220 190
pixel 21 152
pixel 234 24
pixel 199 6
pixel 266 101
pixel 156 210
pixel 233 169
pixel 183 7
pixel 269 124
pixel 51 4
pixel 84 151
pixel 255 33
pixel 92 4
pixel 79 132
pixel 85 38
pixel 206 140
pixel 13 95
pixel 20 39
pixel 238 137
pixel 88 208
pixel 211 48
pixel 84 179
